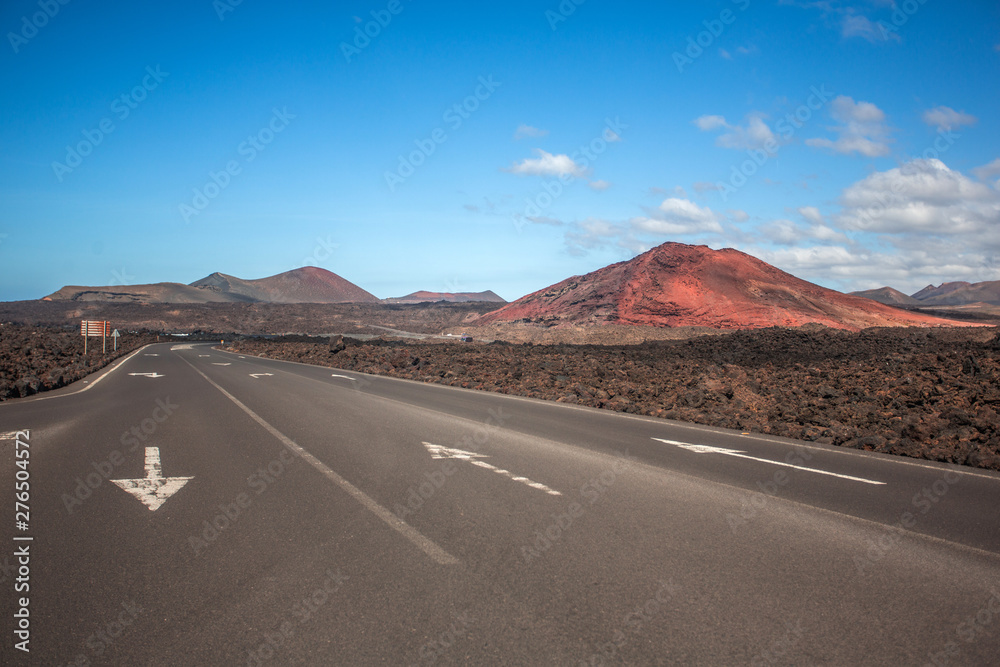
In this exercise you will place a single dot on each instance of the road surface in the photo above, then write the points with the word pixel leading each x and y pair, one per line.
pixel 196 507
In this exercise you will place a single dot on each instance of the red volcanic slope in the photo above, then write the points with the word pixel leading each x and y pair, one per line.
pixel 676 285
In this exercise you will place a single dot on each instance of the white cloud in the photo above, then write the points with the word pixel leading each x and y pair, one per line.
pixel 547 164
pixel 946 118
pixel 707 123
pixel 725 54
pixel 678 216
pixel 672 218
pixel 812 214
pixel 862 129
pixel 704 186
pixel 755 134
pixel 988 171
pixel 788 233
pixel 599 186
pixel 738 215
pixel 524 131
pixel 855 25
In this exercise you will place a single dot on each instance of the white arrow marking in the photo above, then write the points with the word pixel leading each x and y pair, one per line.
pixel 257 375
pixel 707 449
pixel 440 452
pixel 346 377
pixel 203 355
pixel 149 375
pixel 216 363
pixel 150 355
pixel 154 489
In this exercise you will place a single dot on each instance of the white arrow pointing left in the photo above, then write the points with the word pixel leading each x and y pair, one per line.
pixel 442 452
pixel 149 375
pixel 257 375
pixel 154 489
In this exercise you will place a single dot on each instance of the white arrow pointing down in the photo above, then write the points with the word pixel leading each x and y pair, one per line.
pixel 154 489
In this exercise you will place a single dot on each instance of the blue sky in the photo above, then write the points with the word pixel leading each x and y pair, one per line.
pixel 452 146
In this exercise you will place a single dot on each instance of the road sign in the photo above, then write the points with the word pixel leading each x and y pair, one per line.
pixel 90 328
pixel 115 335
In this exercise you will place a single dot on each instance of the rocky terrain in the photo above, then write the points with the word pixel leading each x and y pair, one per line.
pixel 924 393
pixel 34 359
pixel 678 285
pixel 249 318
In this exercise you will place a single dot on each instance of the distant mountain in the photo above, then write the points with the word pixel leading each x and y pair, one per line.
pixel 306 285
pixel 959 294
pixel 452 297
pixel 888 296
pixel 931 292
pixel 676 285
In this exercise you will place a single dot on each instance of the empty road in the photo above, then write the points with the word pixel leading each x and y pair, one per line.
pixel 196 507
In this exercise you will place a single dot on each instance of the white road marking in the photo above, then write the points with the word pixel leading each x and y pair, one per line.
pixel 441 452
pixel 149 375
pixel 346 377
pixel 257 375
pixel 202 355
pixel 150 355
pixel 708 449
pixel 187 346
pixel 217 363
pixel 422 542
pixel 154 489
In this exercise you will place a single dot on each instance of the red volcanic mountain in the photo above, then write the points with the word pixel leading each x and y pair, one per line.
pixel 452 297
pixel 305 285
pixel 676 285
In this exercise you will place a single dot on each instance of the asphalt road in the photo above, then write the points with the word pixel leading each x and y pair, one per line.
pixel 310 516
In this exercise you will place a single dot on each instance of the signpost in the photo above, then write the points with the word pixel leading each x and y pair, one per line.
pixel 90 328
pixel 115 335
